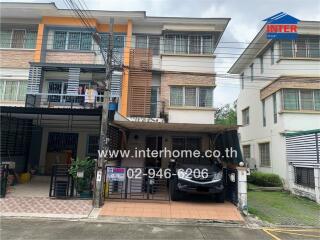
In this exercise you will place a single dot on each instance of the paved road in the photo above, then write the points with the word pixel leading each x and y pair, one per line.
pixel 48 229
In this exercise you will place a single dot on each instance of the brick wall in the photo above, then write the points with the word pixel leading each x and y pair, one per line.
pixel 16 58
pixel 71 57
pixel 290 82
pixel 184 79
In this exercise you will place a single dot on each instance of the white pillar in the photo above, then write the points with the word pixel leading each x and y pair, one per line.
pixel 242 189
pixel 317 183
pixel 291 177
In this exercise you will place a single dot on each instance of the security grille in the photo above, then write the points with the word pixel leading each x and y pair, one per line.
pixel 34 80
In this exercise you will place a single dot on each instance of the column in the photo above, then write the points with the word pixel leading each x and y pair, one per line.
pixel 242 189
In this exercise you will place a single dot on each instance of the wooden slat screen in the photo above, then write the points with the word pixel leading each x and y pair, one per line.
pixel 140 77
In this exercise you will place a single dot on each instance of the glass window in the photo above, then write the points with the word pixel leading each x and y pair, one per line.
pixel 286 48
pixel 186 143
pixel 207 44
pixel 154 44
pixel 272 54
pixel 154 101
pixel 301 47
pixel 291 99
pixel 261 64
pixel 275 113
pixel 195 44
pixel 182 44
pixel 176 96
pixel 141 41
pixel 251 71
pixel 18 38
pixel 264 149
pixel 314 50
pixel 169 44
pixel 5 39
pixel 317 100
pixel 118 41
pixel 246 151
pixel 306 99
pixel 22 91
pixel 245 116
pixel 242 80
pixel 93 145
pixel 304 176
pixel 31 40
pixel 205 97
pixel 86 41
pixel 10 91
pixel 264 121
pixel 191 96
pixel 59 40
pixel 104 40
pixel 74 40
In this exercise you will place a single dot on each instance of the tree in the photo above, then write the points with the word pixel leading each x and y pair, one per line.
pixel 226 115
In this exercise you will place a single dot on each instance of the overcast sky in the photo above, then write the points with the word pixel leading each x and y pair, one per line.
pixel 246 20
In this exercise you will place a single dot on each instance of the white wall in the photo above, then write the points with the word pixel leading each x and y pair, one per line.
pixel 191 116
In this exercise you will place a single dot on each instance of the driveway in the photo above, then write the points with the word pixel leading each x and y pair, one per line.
pixel 197 210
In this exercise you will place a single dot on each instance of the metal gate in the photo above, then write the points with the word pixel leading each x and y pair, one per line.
pixel 61 184
pixel 135 183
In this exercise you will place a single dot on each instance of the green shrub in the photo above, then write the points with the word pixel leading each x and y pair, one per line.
pixel 265 179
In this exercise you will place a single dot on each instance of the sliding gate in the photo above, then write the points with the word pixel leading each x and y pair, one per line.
pixel 135 183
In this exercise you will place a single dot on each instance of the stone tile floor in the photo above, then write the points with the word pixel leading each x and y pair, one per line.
pixel 172 210
pixel 44 207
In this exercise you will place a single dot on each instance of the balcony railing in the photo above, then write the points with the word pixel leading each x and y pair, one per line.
pixel 54 100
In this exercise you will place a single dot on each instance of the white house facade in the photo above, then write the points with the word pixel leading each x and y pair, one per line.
pixel 280 96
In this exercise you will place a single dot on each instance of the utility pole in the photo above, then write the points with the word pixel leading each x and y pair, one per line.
pixel 100 173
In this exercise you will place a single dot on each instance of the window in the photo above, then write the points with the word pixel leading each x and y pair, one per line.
pixel 245 116
pixel 291 99
pixel 188 44
pixel 191 96
pixel 246 151
pixel 272 54
pixel 242 80
pixel 264 121
pixel 118 41
pixel 18 38
pixel 205 97
pixel 72 40
pixel 59 40
pixel 186 143
pixel 93 145
pixel 274 103
pixel 306 99
pixel 317 100
pixel 304 177
pixel 194 44
pixel 176 96
pixel 151 42
pixel 303 47
pixel 13 90
pixel 264 149
pixel 301 99
pixel 251 72
pixel 261 64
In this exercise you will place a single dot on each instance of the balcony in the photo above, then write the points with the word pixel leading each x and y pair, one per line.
pixel 73 101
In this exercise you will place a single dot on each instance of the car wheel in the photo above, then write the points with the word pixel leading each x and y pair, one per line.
pixel 175 194
pixel 220 197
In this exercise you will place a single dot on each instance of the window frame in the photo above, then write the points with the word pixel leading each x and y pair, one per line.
pixel 251 71
pixel 265 162
pixel 246 118
pixel 294 47
pixel 88 145
pixel 274 106
pixel 261 64
pixel 310 183
pixel 264 120
pixel 17 89
pixel 315 101
pixel 66 44
pixel 242 80
pixel 247 147
pixel 272 54
pixel 198 102
pixel 185 139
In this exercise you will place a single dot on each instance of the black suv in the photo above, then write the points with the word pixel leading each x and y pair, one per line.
pixel 197 175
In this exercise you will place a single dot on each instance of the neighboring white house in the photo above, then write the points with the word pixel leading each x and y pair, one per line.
pixel 279 99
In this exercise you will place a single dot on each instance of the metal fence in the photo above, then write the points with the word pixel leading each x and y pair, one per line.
pixel 122 185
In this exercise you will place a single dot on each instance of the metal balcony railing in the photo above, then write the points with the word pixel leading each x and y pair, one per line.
pixel 54 100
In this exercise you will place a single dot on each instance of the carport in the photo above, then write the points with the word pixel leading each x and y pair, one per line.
pixel 120 201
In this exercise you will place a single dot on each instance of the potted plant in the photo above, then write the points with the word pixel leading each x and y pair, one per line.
pixel 82 171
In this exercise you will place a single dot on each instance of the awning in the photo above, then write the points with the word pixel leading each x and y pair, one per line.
pixel 173 127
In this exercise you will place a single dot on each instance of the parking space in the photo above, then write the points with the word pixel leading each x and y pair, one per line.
pixel 172 210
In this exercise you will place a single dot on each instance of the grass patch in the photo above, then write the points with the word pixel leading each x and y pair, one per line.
pixel 283 208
